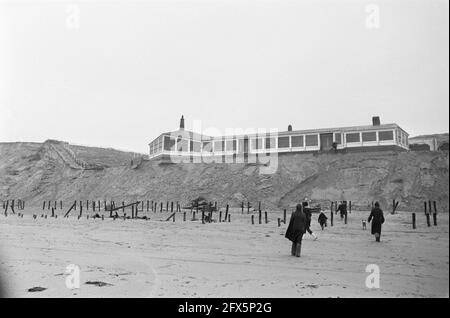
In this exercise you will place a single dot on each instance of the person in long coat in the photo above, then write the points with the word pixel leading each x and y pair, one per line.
pixel 342 209
pixel 296 229
pixel 322 220
pixel 377 218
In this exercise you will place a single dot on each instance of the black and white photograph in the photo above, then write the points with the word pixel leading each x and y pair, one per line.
pixel 241 150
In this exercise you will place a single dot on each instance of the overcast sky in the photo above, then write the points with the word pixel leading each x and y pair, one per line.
pixel 118 73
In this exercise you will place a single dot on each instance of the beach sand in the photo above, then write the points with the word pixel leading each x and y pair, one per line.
pixel 155 258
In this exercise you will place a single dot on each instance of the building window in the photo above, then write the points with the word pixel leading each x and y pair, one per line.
pixel 207 146
pixel 231 145
pixel 283 142
pixel 297 141
pixel 257 143
pixel 352 137
pixel 182 145
pixel 369 136
pixel 270 142
pixel 241 146
pixel 219 145
pixel 195 146
pixel 169 143
pixel 311 140
pixel 386 135
pixel 338 138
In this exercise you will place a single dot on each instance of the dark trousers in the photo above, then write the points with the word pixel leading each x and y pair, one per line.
pixel 294 244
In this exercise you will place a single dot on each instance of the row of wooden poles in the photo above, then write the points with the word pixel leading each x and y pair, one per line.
pixel 206 216
pixel 13 204
pixel 428 211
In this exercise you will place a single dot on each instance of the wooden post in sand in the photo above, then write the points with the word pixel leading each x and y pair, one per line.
pixel 242 207
pixel 53 212
pixel 425 206
pixel 60 204
pixel 265 216
pixel 220 216
pixel 171 206
pixel 414 221
pixel 279 222
pixel 428 220
pixel 259 217
pixel 435 219
pixel 43 205
pixel 284 216
pixel 148 202
pixel 434 205
pixel 349 206
pixel 229 218
pixel 167 206
pixel 123 206
pixel 161 207
pixel 253 219
pixel 184 216
pixel 331 218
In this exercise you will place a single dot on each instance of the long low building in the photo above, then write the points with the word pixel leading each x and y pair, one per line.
pixel 187 143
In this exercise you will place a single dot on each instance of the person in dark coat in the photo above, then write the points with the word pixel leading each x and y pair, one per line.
pixel 296 229
pixel 308 214
pixel 377 218
pixel 322 220
pixel 342 208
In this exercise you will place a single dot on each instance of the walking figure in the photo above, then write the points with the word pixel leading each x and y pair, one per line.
pixel 322 220
pixel 296 229
pixel 342 208
pixel 377 218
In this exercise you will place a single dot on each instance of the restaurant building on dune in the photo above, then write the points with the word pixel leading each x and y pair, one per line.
pixel 189 144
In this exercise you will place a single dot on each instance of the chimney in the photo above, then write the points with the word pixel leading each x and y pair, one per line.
pixel 376 121
pixel 290 128
pixel 182 122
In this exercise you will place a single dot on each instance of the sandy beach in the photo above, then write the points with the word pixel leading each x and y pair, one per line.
pixel 155 258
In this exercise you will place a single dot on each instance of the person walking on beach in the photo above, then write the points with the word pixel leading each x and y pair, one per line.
pixel 342 209
pixel 296 229
pixel 322 220
pixel 308 214
pixel 377 218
